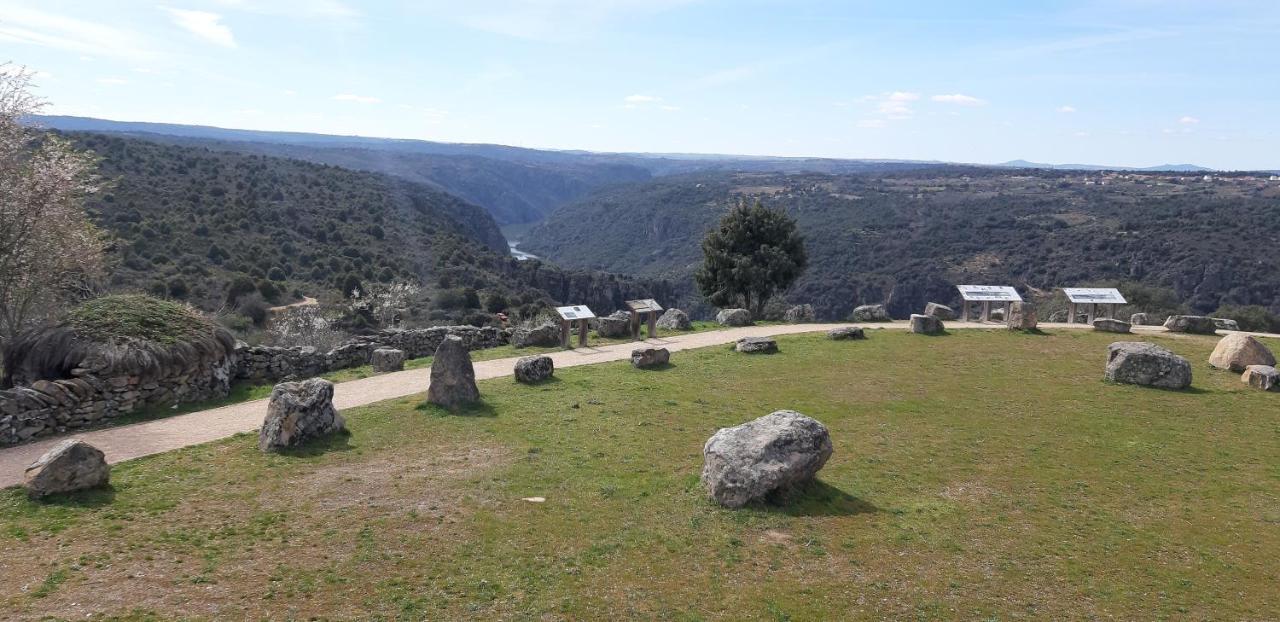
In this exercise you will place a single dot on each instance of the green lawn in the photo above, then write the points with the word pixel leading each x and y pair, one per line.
pixel 981 475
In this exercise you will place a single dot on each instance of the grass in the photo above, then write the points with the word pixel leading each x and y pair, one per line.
pixel 977 475
pixel 138 317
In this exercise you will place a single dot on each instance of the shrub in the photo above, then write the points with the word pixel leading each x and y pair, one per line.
pixel 1254 318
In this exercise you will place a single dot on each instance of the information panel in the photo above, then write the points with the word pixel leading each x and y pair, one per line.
pixel 989 293
pixel 1094 295
pixel 644 306
pixel 577 312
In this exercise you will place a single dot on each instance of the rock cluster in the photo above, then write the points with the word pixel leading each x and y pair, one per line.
pixel 733 317
pixel 1107 325
pixel 674 319
pixel 644 358
pixel 1196 324
pixel 1264 377
pixel 869 313
pixel 614 325
pixel 846 332
pixel 1022 316
pixel 453 378
pixel 799 314
pixel 299 412
pixel 926 324
pixel 387 359
pixel 69 466
pixel 764 457
pixel 1238 351
pixel 542 336
pixel 757 345
pixel 531 369
pixel 940 311
pixel 1141 363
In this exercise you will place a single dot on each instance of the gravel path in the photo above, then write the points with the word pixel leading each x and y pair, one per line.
pixel 152 437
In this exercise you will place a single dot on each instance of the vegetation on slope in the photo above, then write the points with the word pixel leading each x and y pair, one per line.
pixel 907 238
pixel 980 475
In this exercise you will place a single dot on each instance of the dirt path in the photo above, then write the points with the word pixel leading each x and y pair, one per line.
pixel 151 437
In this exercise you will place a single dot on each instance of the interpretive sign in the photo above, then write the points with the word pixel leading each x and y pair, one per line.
pixel 989 293
pixel 576 312
pixel 1094 295
pixel 647 307
pixel 569 315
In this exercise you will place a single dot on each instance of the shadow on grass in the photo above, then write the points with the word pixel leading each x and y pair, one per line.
pixel 340 441
pixel 1031 331
pixel 662 367
pixel 474 409
pixel 817 498
pixel 545 382
pixel 1192 390
pixel 91 498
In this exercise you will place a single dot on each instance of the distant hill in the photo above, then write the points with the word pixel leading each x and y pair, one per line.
pixel 1162 168
pixel 906 238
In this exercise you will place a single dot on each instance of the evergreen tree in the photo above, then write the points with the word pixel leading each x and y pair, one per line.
pixel 755 252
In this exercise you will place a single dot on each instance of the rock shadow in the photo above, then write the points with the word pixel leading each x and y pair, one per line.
pixel 337 442
pixel 817 498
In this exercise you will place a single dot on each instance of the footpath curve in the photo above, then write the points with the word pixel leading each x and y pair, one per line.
pixel 152 437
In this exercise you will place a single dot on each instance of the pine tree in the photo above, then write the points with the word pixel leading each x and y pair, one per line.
pixel 755 252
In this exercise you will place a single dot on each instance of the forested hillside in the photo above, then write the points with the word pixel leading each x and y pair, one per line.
pixel 209 226
pixel 908 237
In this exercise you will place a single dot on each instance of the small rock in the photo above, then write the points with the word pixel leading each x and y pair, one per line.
pixel 1107 325
pixel 759 458
pixel 1225 323
pixel 1022 316
pixel 1264 377
pixel 387 359
pixel 869 313
pixel 453 378
pixel 69 466
pixel 940 311
pixel 846 332
pixel 615 325
pixel 643 358
pixel 799 314
pixel 757 345
pixel 1141 363
pixel 1139 319
pixel 535 499
pixel 674 319
pixel 1237 351
pixel 531 369
pixel 733 317
pixel 996 315
pixel 926 324
pixel 297 413
pixel 1196 324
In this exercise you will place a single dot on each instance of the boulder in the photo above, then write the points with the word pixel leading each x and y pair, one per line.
pixel 1022 316
pixel 733 317
pixel 1107 325
pixel 531 369
pixel 799 314
pixel 1139 319
pixel 453 379
pixel 996 315
pixel 926 324
pixel 1197 324
pixel 387 359
pixel 869 313
pixel 614 325
pixel 1225 323
pixel 299 412
pixel 544 336
pixel 940 311
pixel 1137 362
pixel 644 358
pixel 846 332
pixel 69 466
pixel 674 319
pixel 1237 351
pixel 760 458
pixel 757 345
pixel 1264 377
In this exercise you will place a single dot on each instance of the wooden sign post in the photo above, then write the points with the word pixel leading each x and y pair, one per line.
pixel 569 315
pixel 647 308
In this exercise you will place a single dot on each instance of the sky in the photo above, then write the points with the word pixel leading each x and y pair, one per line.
pixel 1117 82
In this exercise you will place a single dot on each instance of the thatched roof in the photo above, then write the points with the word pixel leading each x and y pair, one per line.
pixel 113 335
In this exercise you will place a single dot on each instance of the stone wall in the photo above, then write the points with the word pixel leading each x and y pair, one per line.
pixel 47 407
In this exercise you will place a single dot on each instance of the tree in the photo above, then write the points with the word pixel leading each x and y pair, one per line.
pixel 755 252
pixel 49 251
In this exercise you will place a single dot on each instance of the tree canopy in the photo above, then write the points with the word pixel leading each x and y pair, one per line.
pixel 754 253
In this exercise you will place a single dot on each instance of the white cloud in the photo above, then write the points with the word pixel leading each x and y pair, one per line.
pixel 633 102
pixel 894 106
pixel 641 99
pixel 322 9
pixel 871 123
pixel 359 99
pixel 203 24
pixel 959 99
pixel 546 20
pixel 1188 120
pixel 1066 109
pixel 50 30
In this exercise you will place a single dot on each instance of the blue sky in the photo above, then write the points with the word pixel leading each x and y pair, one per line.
pixel 1124 82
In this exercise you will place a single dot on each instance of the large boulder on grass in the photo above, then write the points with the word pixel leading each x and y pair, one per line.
pixel 614 325
pixel 846 332
pixel 531 369
pixel 453 379
pixel 1225 323
pixel 674 319
pixel 1147 364
pixel 69 466
pixel 757 345
pixel 1108 325
pixel 543 336
pixel 1022 316
pixel 1238 351
pixel 645 358
pixel 1263 377
pixel 733 317
pixel 1195 324
pixel 940 311
pixel 1139 319
pixel 799 314
pixel 387 359
pixel 299 412
pixel 926 324
pixel 869 313
pixel 764 457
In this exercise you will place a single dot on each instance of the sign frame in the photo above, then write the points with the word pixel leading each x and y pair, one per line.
pixel 989 293
pixel 644 305
pixel 575 312
pixel 1094 295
